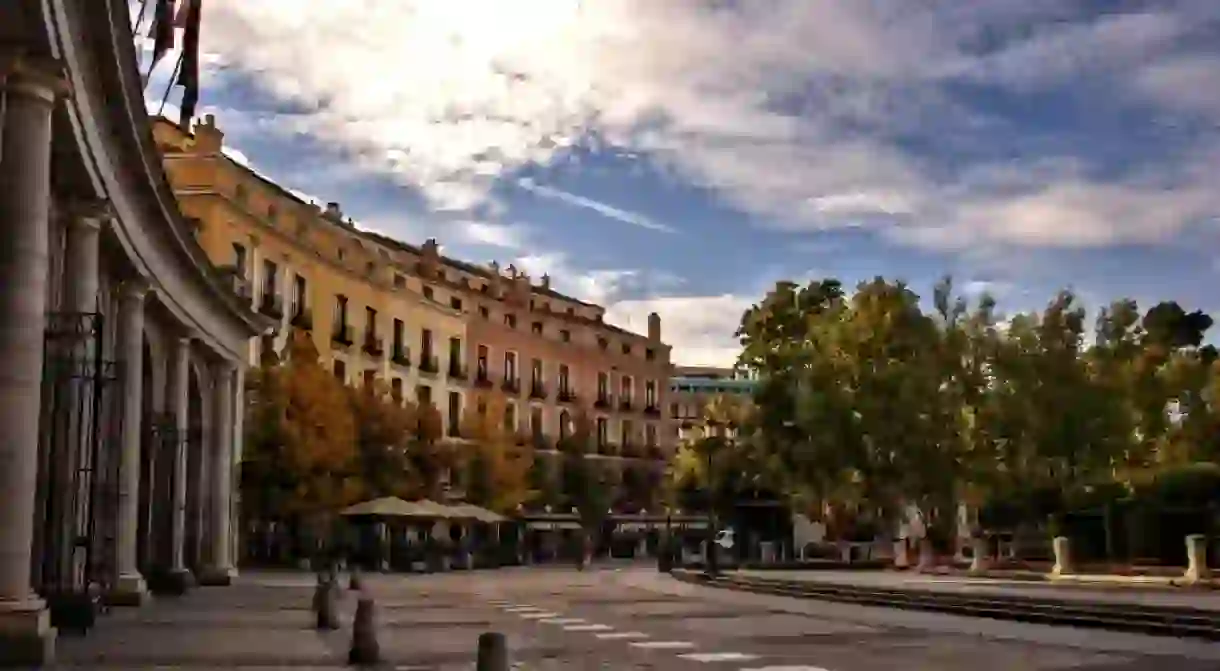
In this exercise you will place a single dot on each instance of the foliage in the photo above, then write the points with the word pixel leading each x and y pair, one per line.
pixel 874 401
pixel 385 431
pixel 497 466
pixel 585 487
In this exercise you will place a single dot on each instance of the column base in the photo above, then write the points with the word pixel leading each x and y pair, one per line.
pixel 217 577
pixel 171 582
pixel 129 590
pixel 27 638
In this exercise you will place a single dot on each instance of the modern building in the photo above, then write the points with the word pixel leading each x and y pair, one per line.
pixel 456 330
pixel 310 268
pixel 692 388
pixel 124 351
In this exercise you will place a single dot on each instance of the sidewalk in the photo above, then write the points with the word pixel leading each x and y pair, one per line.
pixel 1107 593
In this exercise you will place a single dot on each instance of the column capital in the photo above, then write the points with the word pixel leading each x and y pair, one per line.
pixel 133 290
pixel 91 213
pixel 36 77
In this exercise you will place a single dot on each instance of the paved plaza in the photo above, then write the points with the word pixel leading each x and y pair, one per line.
pixel 609 618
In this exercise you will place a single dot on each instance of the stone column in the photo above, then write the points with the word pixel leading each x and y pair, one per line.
pixel 220 569
pixel 1197 569
pixel 130 588
pixel 30 90
pixel 178 391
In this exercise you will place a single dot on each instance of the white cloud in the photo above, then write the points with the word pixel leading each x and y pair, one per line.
pixel 450 96
pixel 489 234
pixel 700 328
pixel 604 209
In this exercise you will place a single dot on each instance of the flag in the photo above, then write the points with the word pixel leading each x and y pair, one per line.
pixel 188 74
pixel 162 30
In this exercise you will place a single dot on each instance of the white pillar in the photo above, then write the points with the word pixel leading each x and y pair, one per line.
pixel 30 91
pixel 130 588
pixel 1197 569
pixel 220 570
pixel 179 398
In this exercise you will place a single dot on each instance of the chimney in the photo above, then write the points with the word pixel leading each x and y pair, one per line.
pixel 333 212
pixel 208 138
pixel 432 250
pixel 546 281
pixel 654 327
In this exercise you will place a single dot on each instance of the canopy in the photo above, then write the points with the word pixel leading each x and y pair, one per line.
pixel 434 509
pixel 471 511
pixel 388 506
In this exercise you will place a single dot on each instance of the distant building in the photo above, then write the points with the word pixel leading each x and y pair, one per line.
pixel 692 387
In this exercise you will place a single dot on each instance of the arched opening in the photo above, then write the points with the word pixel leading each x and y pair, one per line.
pixel 148 425
pixel 192 537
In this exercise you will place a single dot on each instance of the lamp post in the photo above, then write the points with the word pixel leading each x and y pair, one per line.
pixel 712 561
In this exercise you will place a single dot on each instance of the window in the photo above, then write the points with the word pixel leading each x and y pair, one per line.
pixel 536 422
pixel 399 330
pixel 484 312
pixel 510 321
pixel 563 379
pixel 370 323
pixel 572 311
pixel 481 408
pixel 423 395
pixel 299 292
pixel 240 194
pixel 271 213
pixel 455 302
pixel 428 293
pixel 602 343
pixel 370 378
pixel 536 372
pixel 603 386
pixel 650 393
pixel 650 435
pixel 673 410
pixel 239 258
pixel 626 348
pixel 565 335
pixel 626 431
pixel 626 385
pixel 510 417
pixel 455 356
pixel 270 275
pixel 603 431
pixel 482 362
pixel 340 371
pixel 396 389
pixel 340 314
pixel 425 344
pixel 536 327
pixel 455 412
pixel 510 366
pixel 650 354
pixel 400 282
pixel 565 424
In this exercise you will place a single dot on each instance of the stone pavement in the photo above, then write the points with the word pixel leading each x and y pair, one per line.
pixel 1073 591
pixel 605 618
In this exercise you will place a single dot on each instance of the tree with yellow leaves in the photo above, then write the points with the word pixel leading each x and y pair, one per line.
pixel 431 456
pixel 497 466
pixel 386 428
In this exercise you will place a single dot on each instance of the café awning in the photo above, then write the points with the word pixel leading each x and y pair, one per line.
pixel 387 506
pixel 479 514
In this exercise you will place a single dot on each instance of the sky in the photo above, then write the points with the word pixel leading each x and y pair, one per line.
pixel 682 156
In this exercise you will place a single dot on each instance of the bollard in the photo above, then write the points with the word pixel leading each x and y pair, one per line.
pixel 357 580
pixel 324 605
pixel 365 650
pixel 493 652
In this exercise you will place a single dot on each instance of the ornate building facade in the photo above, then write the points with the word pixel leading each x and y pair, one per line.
pixel 453 331
pixel 124 351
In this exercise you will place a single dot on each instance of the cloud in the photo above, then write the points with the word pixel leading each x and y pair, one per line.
pixel 700 328
pixel 601 208
pixel 490 234
pixel 809 114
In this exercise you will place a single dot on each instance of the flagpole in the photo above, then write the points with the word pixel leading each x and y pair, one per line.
pixel 170 84
pixel 140 18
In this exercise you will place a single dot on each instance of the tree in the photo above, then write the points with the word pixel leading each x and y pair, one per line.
pixel 431 456
pixel 497 466
pixel 584 487
pixel 385 430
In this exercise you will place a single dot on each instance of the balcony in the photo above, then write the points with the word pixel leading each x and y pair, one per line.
pixel 537 390
pixel 566 396
pixel 428 364
pixel 456 370
pixel 653 410
pixel 541 442
pixel 373 346
pixel 302 319
pixel 400 356
pixel 603 402
pixel 624 404
pixel 511 385
pixel 272 306
pixel 342 336
pixel 234 279
pixel 606 448
pixel 655 452
pixel 630 450
pixel 481 379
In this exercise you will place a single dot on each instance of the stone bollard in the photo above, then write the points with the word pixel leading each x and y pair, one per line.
pixel 979 560
pixel 493 652
pixel 927 556
pixel 356 582
pixel 902 554
pixel 365 650
pixel 324 605
pixel 1197 569
pixel 1063 556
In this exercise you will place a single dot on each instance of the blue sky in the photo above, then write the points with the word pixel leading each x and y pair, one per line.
pixel 681 156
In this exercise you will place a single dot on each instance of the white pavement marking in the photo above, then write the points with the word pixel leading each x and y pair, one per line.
pixel 787 668
pixel 538 615
pixel 587 627
pixel 663 645
pixel 564 620
pixel 626 635
pixel 522 609
pixel 718 656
